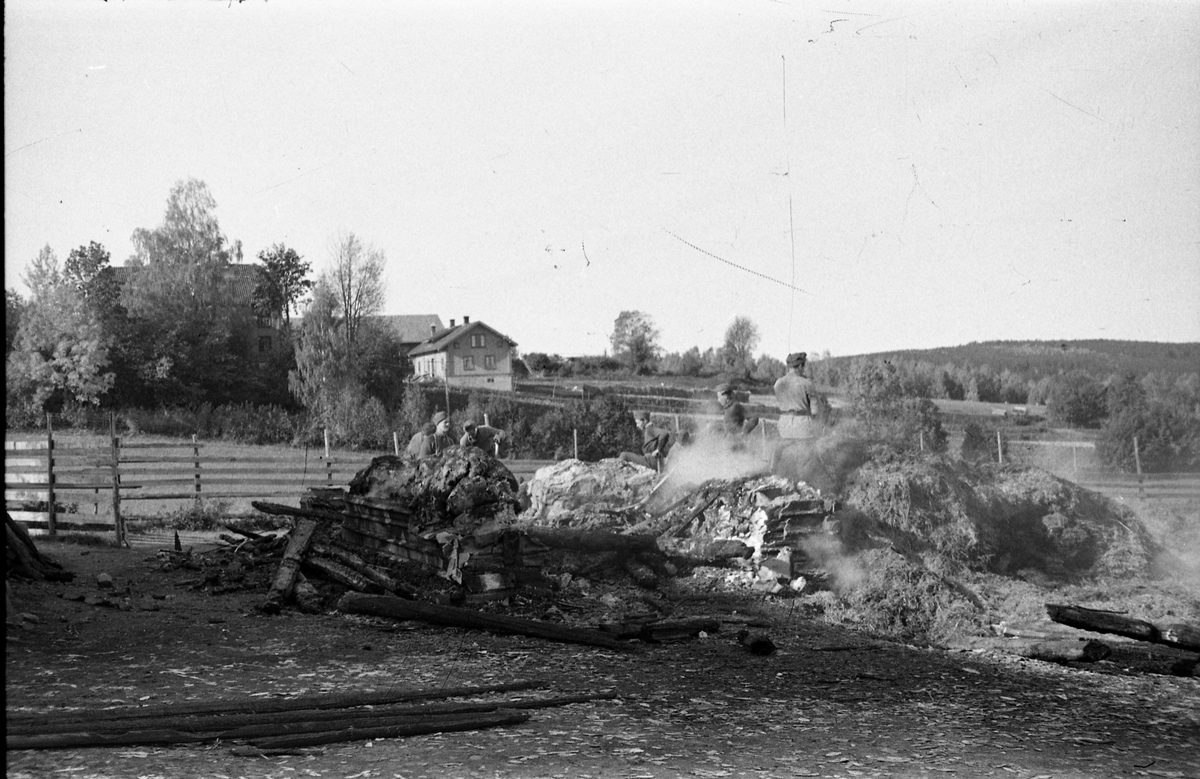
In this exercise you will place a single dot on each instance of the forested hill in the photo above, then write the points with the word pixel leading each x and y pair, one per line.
pixel 1038 359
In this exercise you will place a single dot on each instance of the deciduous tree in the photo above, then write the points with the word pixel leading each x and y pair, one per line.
pixel 356 276
pixel 190 314
pixel 1076 399
pixel 282 281
pixel 60 352
pixel 741 339
pixel 13 306
pixel 635 340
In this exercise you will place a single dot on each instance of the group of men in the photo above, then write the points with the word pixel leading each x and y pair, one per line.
pixel 794 392
pixel 434 438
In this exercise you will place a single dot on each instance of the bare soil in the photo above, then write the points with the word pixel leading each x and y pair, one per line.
pixel 828 703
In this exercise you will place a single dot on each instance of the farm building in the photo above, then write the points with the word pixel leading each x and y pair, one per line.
pixel 467 355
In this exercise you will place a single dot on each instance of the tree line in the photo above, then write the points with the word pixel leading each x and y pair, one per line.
pixel 176 326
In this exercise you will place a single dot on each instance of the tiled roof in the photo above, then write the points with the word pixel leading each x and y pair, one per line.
pixel 444 338
pixel 411 328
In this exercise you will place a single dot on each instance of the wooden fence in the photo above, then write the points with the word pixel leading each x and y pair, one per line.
pixel 53 484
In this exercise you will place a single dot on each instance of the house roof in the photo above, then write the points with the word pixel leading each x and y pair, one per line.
pixel 442 340
pixel 410 328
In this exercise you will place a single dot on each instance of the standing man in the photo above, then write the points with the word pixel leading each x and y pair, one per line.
pixel 486 438
pixel 656 444
pixel 433 444
pixel 796 395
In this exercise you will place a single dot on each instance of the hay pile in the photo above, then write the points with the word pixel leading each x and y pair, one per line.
pixel 1001 519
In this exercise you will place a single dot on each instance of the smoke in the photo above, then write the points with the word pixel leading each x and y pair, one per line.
pixel 717 457
pixel 846 572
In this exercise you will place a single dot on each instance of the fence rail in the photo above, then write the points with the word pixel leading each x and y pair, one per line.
pixel 49 485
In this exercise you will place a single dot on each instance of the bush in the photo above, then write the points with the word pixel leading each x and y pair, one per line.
pixel 1168 439
pixel 201 515
pixel 356 420
pixel 979 444
pixel 905 424
pixel 1077 399
pixel 604 426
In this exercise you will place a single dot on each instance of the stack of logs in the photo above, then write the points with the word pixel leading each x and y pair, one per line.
pixel 278 726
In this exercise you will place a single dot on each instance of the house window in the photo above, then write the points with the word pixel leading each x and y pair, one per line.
pixel 489 362
pixel 468 363
pixel 263 320
pixel 477 341
pixel 264 343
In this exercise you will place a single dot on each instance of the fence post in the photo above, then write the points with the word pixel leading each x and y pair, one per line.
pixel 118 521
pixel 396 442
pixel 999 449
pixel 328 464
pixel 51 514
pixel 575 433
pixel 196 455
pixel 1075 455
pixel 1137 459
pixel 921 439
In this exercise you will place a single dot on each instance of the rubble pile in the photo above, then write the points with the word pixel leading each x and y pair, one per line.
pixel 599 495
pixel 463 516
pixel 463 487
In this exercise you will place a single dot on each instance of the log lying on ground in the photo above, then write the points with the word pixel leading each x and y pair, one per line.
pixel 268 705
pixel 277 736
pixel 1057 650
pixel 451 724
pixel 450 616
pixel 229 726
pixel 1179 636
pixel 662 630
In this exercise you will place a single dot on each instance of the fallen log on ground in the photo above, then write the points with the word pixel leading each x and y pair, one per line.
pixel 1055 650
pixel 278 735
pixel 225 724
pixel 1177 635
pixel 289 566
pixel 656 631
pixel 500 718
pixel 450 616
pixel 268 705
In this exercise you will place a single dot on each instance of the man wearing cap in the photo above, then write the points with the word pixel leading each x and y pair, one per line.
pixel 734 422
pixel 656 444
pixel 796 395
pixel 486 438
pixel 431 443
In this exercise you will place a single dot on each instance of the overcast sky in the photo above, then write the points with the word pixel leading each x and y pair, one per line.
pixel 857 177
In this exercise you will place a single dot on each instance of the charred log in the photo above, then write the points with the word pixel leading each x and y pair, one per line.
pixel 450 616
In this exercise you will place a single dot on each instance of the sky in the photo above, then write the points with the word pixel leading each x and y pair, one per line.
pixel 853 177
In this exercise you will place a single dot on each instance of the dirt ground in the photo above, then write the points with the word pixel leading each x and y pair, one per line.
pixel 828 703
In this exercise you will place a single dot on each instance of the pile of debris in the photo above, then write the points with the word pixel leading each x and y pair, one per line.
pixel 464 519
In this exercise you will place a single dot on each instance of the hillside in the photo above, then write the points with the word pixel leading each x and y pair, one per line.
pixel 1035 359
